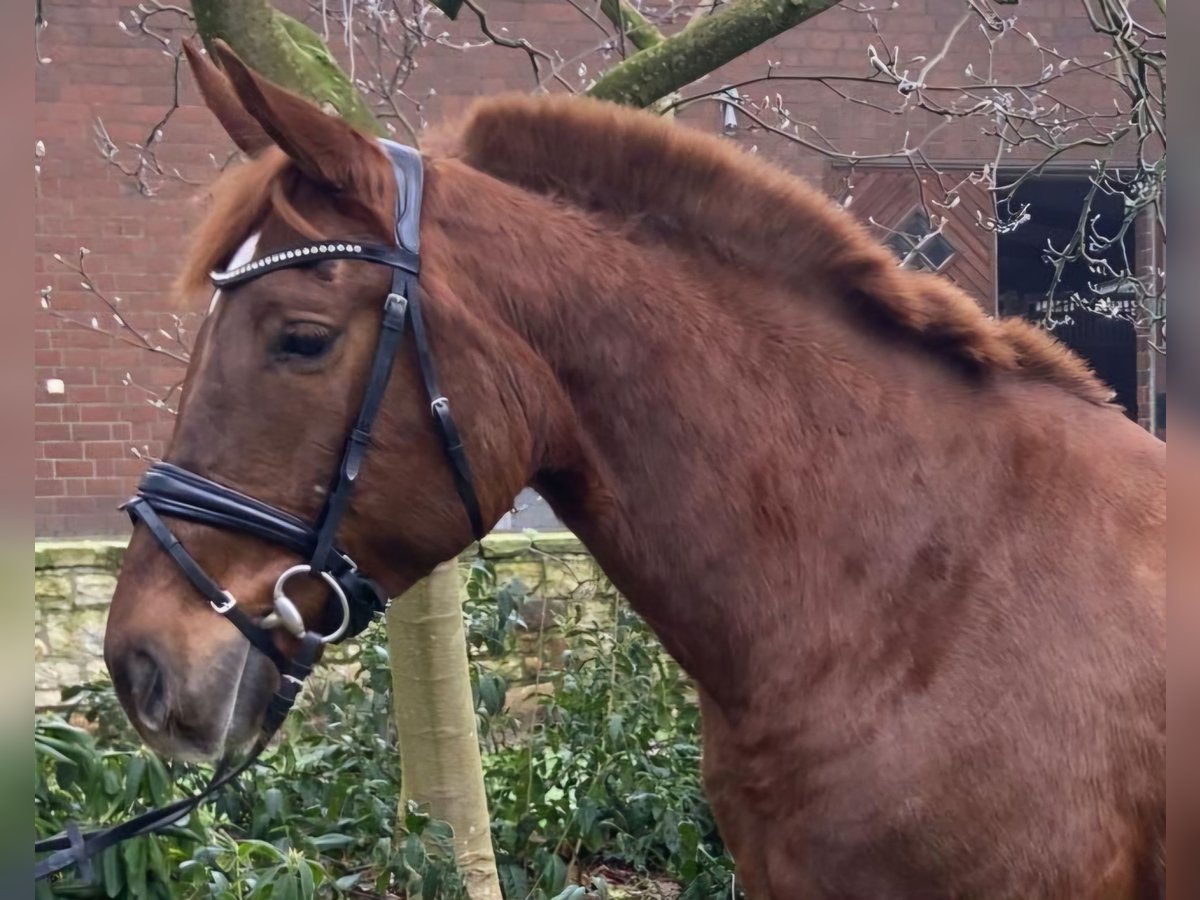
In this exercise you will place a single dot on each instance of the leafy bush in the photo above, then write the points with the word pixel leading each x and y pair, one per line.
pixel 318 821
pixel 606 777
pixel 611 772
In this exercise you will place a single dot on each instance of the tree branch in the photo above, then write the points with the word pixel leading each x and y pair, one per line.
pixel 286 51
pixel 631 23
pixel 701 48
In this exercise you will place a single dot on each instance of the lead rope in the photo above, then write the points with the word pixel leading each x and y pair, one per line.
pixel 76 848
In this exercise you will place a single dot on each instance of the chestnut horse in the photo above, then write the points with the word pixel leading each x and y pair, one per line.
pixel 911 555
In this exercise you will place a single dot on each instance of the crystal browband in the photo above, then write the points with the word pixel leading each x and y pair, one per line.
pixel 396 257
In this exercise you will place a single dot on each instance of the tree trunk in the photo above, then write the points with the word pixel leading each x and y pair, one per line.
pixel 439 748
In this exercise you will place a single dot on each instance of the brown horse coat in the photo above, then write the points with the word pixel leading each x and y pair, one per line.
pixel 913 559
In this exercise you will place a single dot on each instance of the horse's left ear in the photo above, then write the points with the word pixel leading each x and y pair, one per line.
pixel 223 102
pixel 324 146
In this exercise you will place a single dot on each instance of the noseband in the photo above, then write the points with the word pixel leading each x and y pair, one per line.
pixel 172 491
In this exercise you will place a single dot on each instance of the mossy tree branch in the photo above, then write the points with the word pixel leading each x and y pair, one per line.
pixel 701 48
pixel 286 51
pixel 630 22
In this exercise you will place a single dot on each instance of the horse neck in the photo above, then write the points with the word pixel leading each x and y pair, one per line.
pixel 730 452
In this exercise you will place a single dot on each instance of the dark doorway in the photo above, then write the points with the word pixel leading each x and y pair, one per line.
pixel 1024 277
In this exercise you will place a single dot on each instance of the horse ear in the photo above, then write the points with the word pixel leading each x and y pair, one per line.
pixel 223 102
pixel 324 146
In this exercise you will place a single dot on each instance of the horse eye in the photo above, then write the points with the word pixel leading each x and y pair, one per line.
pixel 304 339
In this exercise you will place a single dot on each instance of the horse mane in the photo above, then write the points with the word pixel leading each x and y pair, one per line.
pixel 688 187
pixel 692 187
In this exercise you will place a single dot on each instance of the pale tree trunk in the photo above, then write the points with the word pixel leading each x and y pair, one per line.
pixel 440 763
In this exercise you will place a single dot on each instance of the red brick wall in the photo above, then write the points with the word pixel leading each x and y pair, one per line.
pixel 84 437
pixel 83 458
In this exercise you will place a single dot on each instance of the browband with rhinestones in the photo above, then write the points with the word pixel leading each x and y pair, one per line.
pixel 397 257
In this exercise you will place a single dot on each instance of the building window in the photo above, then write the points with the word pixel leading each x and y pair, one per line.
pixel 1090 315
pixel 917 245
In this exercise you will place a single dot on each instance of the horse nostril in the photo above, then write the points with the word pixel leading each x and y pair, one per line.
pixel 148 688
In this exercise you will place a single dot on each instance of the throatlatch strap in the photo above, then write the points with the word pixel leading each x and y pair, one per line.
pixel 439 406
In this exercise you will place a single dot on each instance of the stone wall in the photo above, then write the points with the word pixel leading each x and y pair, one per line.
pixel 74 582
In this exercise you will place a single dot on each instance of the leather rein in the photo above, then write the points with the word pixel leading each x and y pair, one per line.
pixel 169 490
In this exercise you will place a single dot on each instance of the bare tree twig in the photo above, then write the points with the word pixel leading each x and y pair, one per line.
pixel 125 333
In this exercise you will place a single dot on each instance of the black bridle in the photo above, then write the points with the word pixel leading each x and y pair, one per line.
pixel 168 490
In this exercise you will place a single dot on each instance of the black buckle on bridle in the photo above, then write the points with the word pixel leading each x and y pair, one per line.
pixel 169 490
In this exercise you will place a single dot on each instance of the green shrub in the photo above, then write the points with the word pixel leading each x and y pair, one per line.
pixel 316 820
pixel 607 775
